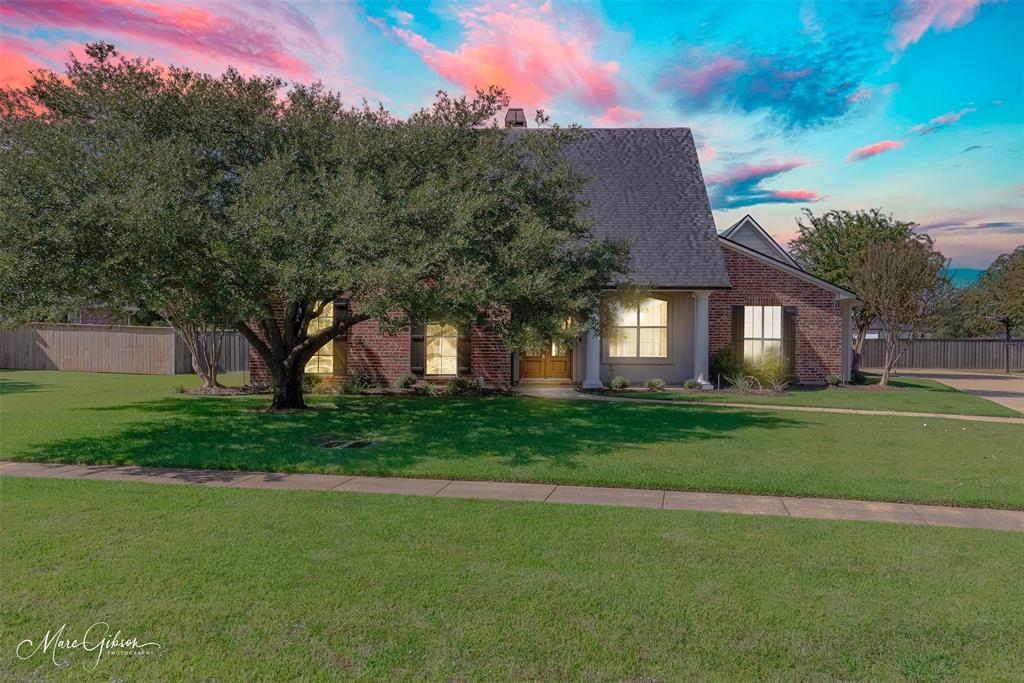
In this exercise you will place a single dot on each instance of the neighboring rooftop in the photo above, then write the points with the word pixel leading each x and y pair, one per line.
pixel 749 233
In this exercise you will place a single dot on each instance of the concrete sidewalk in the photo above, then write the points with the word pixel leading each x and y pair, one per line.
pixel 570 393
pixel 812 508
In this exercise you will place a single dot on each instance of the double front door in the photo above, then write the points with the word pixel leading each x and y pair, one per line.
pixel 549 361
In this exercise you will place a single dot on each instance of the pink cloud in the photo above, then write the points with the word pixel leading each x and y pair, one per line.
pixel 536 54
pixel 868 151
pixel 797 195
pixel 940 121
pixel 740 174
pixel 703 82
pixel 237 38
pixel 861 95
pixel 18 56
pixel 917 17
pixel 618 116
pixel 707 153
pixel 743 186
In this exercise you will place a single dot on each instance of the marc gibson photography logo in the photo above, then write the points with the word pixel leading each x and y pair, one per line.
pixel 96 640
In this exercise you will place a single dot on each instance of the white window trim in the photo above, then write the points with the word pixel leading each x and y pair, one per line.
pixel 608 359
pixel 762 338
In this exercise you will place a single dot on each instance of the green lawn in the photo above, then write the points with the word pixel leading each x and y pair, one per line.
pixel 907 394
pixel 125 419
pixel 254 585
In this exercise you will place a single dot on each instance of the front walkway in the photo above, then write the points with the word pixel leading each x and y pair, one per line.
pixel 813 508
pixel 564 392
pixel 1006 390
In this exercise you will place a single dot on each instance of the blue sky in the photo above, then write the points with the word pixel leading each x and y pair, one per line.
pixel 913 106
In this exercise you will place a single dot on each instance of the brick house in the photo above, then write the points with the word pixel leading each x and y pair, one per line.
pixel 706 291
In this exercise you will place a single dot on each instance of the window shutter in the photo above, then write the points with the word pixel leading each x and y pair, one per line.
pixel 341 312
pixel 737 331
pixel 465 351
pixel 789 336
pixel 418 349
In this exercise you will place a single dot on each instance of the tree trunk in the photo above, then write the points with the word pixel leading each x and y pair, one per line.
pixel 287 390
pixel 204 347
pixel 858 348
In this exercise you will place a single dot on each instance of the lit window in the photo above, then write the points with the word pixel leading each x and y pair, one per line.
pixel 322 362
pixel 442 349
pixel 762 332
pixel 640 331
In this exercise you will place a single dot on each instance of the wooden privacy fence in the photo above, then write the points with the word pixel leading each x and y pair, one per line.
pixel 110 348
pixel 949 354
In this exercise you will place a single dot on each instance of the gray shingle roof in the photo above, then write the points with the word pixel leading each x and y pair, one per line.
pixel 646 186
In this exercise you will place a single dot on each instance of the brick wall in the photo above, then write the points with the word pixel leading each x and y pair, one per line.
pixel 819 325
pixel 490 359
pixel 383 357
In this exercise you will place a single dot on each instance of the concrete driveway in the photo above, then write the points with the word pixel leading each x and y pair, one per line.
pixel 1007 390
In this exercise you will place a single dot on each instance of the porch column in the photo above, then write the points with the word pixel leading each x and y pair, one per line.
pixel 700 336
pixel 592 378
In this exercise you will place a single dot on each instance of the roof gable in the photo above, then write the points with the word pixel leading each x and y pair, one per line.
pixel 749 233
pixel 645 185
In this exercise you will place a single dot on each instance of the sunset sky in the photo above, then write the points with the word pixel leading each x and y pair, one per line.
pixel 916 107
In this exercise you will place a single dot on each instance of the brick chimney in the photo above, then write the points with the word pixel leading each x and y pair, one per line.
pixel 515 118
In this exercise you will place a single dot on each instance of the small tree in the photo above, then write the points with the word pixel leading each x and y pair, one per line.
pixel 832 244
pixel 903 284
pixel 998 296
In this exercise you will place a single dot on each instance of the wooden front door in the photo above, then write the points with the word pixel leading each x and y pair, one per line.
pixel 550 361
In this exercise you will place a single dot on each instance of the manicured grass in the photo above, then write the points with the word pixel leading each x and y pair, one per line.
pixel 905 394
pixel 126 419
pixel 285 585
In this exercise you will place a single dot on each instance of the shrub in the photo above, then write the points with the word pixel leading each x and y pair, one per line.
pixel 858 378
pixel 725 364
pixel 744 383
pixel 406 381
pixel 317 384
pixel 461 386
pixel 692 384
pixel 773 371
pixel 618 383
pixel 180 389
pixel 655 384
pixel 322 387
pixel 427 389
pixel 360 381
pixel 833 380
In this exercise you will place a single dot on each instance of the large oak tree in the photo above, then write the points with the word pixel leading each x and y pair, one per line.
pixel 256 204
